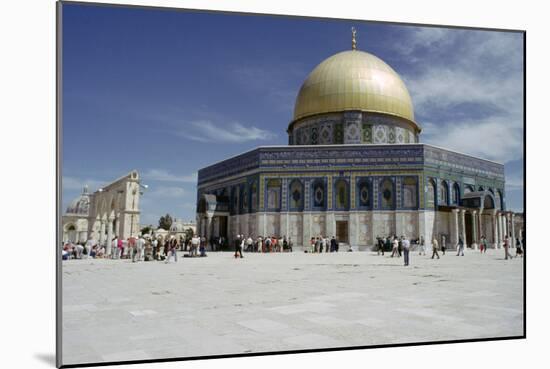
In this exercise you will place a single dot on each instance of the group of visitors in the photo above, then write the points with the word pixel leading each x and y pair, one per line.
pixel 147 248
pixel 320 243
pixel 261 244
pixel 141 248
pixel 402 246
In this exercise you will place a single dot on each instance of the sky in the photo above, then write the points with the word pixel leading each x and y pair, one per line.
pixel 168 92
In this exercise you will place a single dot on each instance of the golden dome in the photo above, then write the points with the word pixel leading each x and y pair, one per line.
pixel 353 80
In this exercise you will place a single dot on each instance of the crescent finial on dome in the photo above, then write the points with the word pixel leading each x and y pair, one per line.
pixel 353 40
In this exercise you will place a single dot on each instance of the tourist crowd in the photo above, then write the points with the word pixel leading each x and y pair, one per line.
pixel 147 248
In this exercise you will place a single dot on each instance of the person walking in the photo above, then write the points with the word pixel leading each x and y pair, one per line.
pixel 399 244
pixel 120 248
pixel 114 247
pixel 395 247
pixel 443 244
pixel 507 248
pixel 435 247
pixel 333 244
pixel 249 243
pixel 238 250
pixel 483 244
pixel 140 246
pixel 460 247
pixel 519 251
pixel 406 244
pixel 172 250
pixel 195 242
pixel 155 245
pixel 380 246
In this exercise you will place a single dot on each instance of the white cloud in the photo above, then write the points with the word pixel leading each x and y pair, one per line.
pixel 476 78
pixel 207 131
pixel 165 176
pixel 165 192
pixel 73 183
pixel 490 138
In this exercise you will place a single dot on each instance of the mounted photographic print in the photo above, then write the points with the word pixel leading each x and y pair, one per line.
pixel 236 184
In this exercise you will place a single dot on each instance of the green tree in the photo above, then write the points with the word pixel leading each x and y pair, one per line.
pixel 188 233
pixel 165 222
pixel 146 230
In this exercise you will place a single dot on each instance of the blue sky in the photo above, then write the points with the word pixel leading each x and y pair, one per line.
pixel 168 92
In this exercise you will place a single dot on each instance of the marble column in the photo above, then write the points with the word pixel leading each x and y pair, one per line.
pixel 463 227
pixel 306 229
pixel 109 235
pixel 116 230
pixel 503 227
pixel 499 229
pixel 495 233
pixel 102 233
pixel 454 232
pixel 474 230
pixel 513 230
pixel 479 224
pixel 208 230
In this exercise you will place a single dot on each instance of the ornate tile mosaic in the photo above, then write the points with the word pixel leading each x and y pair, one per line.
pixel 367 133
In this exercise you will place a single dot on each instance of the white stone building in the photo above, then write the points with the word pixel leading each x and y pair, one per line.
pixel 110 211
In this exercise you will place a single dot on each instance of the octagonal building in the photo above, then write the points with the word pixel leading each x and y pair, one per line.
pixel 354 168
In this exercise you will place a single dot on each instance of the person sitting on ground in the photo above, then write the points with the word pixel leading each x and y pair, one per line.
pixel 93 252
pixel 79 250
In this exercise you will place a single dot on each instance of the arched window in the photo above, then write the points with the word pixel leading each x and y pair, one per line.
pixel 488 202
pixel 430 194
pixel 318 194
pixel 456 194
pixel 443 198
pixel 363 194
pixel 341 194
pixel 410 193
pixel 296 195
pixel 253 196
pixel 274 194
pixel 386 194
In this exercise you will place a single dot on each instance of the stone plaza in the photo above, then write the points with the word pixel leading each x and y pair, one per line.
pixel 118 310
